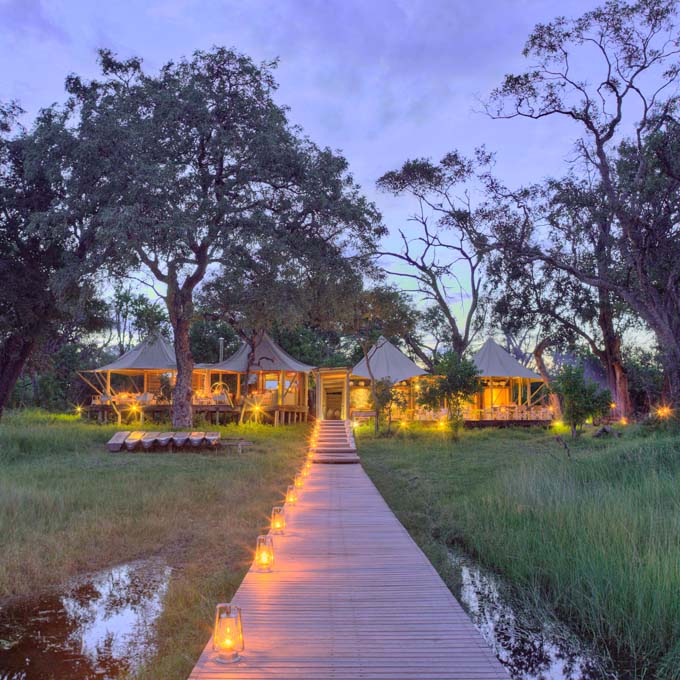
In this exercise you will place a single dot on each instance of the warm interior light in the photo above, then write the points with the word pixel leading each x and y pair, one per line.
pixel 624 421
pixel 264 553
pixel 278 521
pixel 228 633
pixel 291 495
pixel 663 411
pixel 612 405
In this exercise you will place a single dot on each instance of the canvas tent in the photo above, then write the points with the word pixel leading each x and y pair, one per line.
pixel 510 391
pixel 278 382
pixel 386 362
pixel 154 353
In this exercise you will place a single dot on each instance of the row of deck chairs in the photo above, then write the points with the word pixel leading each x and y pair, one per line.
pixel 176 440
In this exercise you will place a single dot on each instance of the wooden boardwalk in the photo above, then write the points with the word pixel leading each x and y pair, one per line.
pixel 351 596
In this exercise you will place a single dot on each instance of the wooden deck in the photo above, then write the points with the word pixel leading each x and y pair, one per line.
pixel 351 596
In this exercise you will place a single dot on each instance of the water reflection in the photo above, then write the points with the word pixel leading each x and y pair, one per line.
pixel 100 628
pixel 530 647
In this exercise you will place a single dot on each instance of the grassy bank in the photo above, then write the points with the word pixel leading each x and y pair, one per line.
pixel 68 507
pixel 596 538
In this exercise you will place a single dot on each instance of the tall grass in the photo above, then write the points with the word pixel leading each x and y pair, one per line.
pixel 595 538
pixel 68 506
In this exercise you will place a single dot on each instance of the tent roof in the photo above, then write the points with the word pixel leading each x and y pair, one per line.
pixel 154 353
pixel 494 362
pixel 268 357
pixel 387 363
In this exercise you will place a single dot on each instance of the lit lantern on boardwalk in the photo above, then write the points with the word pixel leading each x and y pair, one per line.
pixel 299 481
pixel 291 495
pixel 264 553
pixel 278 521
pixel 228 633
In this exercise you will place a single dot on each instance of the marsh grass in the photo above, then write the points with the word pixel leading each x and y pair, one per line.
pixel 67 507
pixel 595 538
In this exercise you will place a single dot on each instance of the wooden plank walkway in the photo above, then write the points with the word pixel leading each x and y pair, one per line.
pixel 351 596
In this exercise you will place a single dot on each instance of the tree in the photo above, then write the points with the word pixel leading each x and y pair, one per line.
pixel 444 259
pixel 134 317
pixel 455 382
pixel 48 258
pixel 581 399
pixel 627 191
pixel 387 398
pixel 197 166
pixel 560 312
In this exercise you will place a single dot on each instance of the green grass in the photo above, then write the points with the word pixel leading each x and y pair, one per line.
pixel 69 507
pixel 595 538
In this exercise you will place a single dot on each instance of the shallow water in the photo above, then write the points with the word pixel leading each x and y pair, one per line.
pixel 99 628
pixel 528 645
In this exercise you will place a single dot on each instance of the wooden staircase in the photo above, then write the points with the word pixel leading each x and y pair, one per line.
pixel 333 442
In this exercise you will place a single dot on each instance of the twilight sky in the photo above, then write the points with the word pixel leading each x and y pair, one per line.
pixel 381 80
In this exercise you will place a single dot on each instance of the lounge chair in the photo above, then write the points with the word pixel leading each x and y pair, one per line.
pixel 149 439
pixel 179 439
pixel 196 438
pixel 212 439
pixel 133 440
pixel 164 438
pixel 116 442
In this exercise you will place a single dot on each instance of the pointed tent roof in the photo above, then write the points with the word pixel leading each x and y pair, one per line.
pixel 494 362
pixel 154 353
pixel 268 357
pixel 387 363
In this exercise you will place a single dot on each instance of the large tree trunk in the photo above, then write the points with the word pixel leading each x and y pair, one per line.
pixel 14 353
pixel 617 378
pixel 542 369
pixel 180 309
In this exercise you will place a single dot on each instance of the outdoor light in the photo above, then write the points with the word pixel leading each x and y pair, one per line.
pixel 624 421
pixel 278 522
pixel 257 408
pixel 558 423
pixel 612 405
pixel 228 633
pixel 264 553
pixel 79 409
pixel 298 482
pixel 355 423
pixel 291 495
pixel 663 412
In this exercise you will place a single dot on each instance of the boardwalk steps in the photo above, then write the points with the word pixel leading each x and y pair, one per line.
pixel 351 596
pixel 333 442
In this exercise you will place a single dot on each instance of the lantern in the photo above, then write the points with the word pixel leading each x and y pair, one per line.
pixel 664 412
pixel 278 523
pixel 228 633
pixel 298 481
pixel 291 495
pixel 264 553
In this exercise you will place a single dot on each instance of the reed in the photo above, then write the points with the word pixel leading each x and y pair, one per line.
pixel 595 537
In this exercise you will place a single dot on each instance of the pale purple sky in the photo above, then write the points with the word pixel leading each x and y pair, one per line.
pixel 381 80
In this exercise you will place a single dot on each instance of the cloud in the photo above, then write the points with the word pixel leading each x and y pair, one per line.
pixel 30 17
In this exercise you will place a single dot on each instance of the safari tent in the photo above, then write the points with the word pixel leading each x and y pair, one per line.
pixel 510 391
pixel 346 392
pixel 269 379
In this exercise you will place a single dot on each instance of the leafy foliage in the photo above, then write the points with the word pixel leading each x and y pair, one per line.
pixel 581 399
pixel 455 381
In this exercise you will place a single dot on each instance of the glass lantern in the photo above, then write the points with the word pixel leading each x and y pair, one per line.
pixel 228 633
pixel 291 495
pixel 264 554
pixel 278 521
pixel 299 481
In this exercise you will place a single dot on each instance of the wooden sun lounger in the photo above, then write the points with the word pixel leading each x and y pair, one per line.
pixel 212 439
pixel 149 439
pixel 164 438
pixel 179 439
pixel 133 440
pixel 196 438
pixel 117 441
